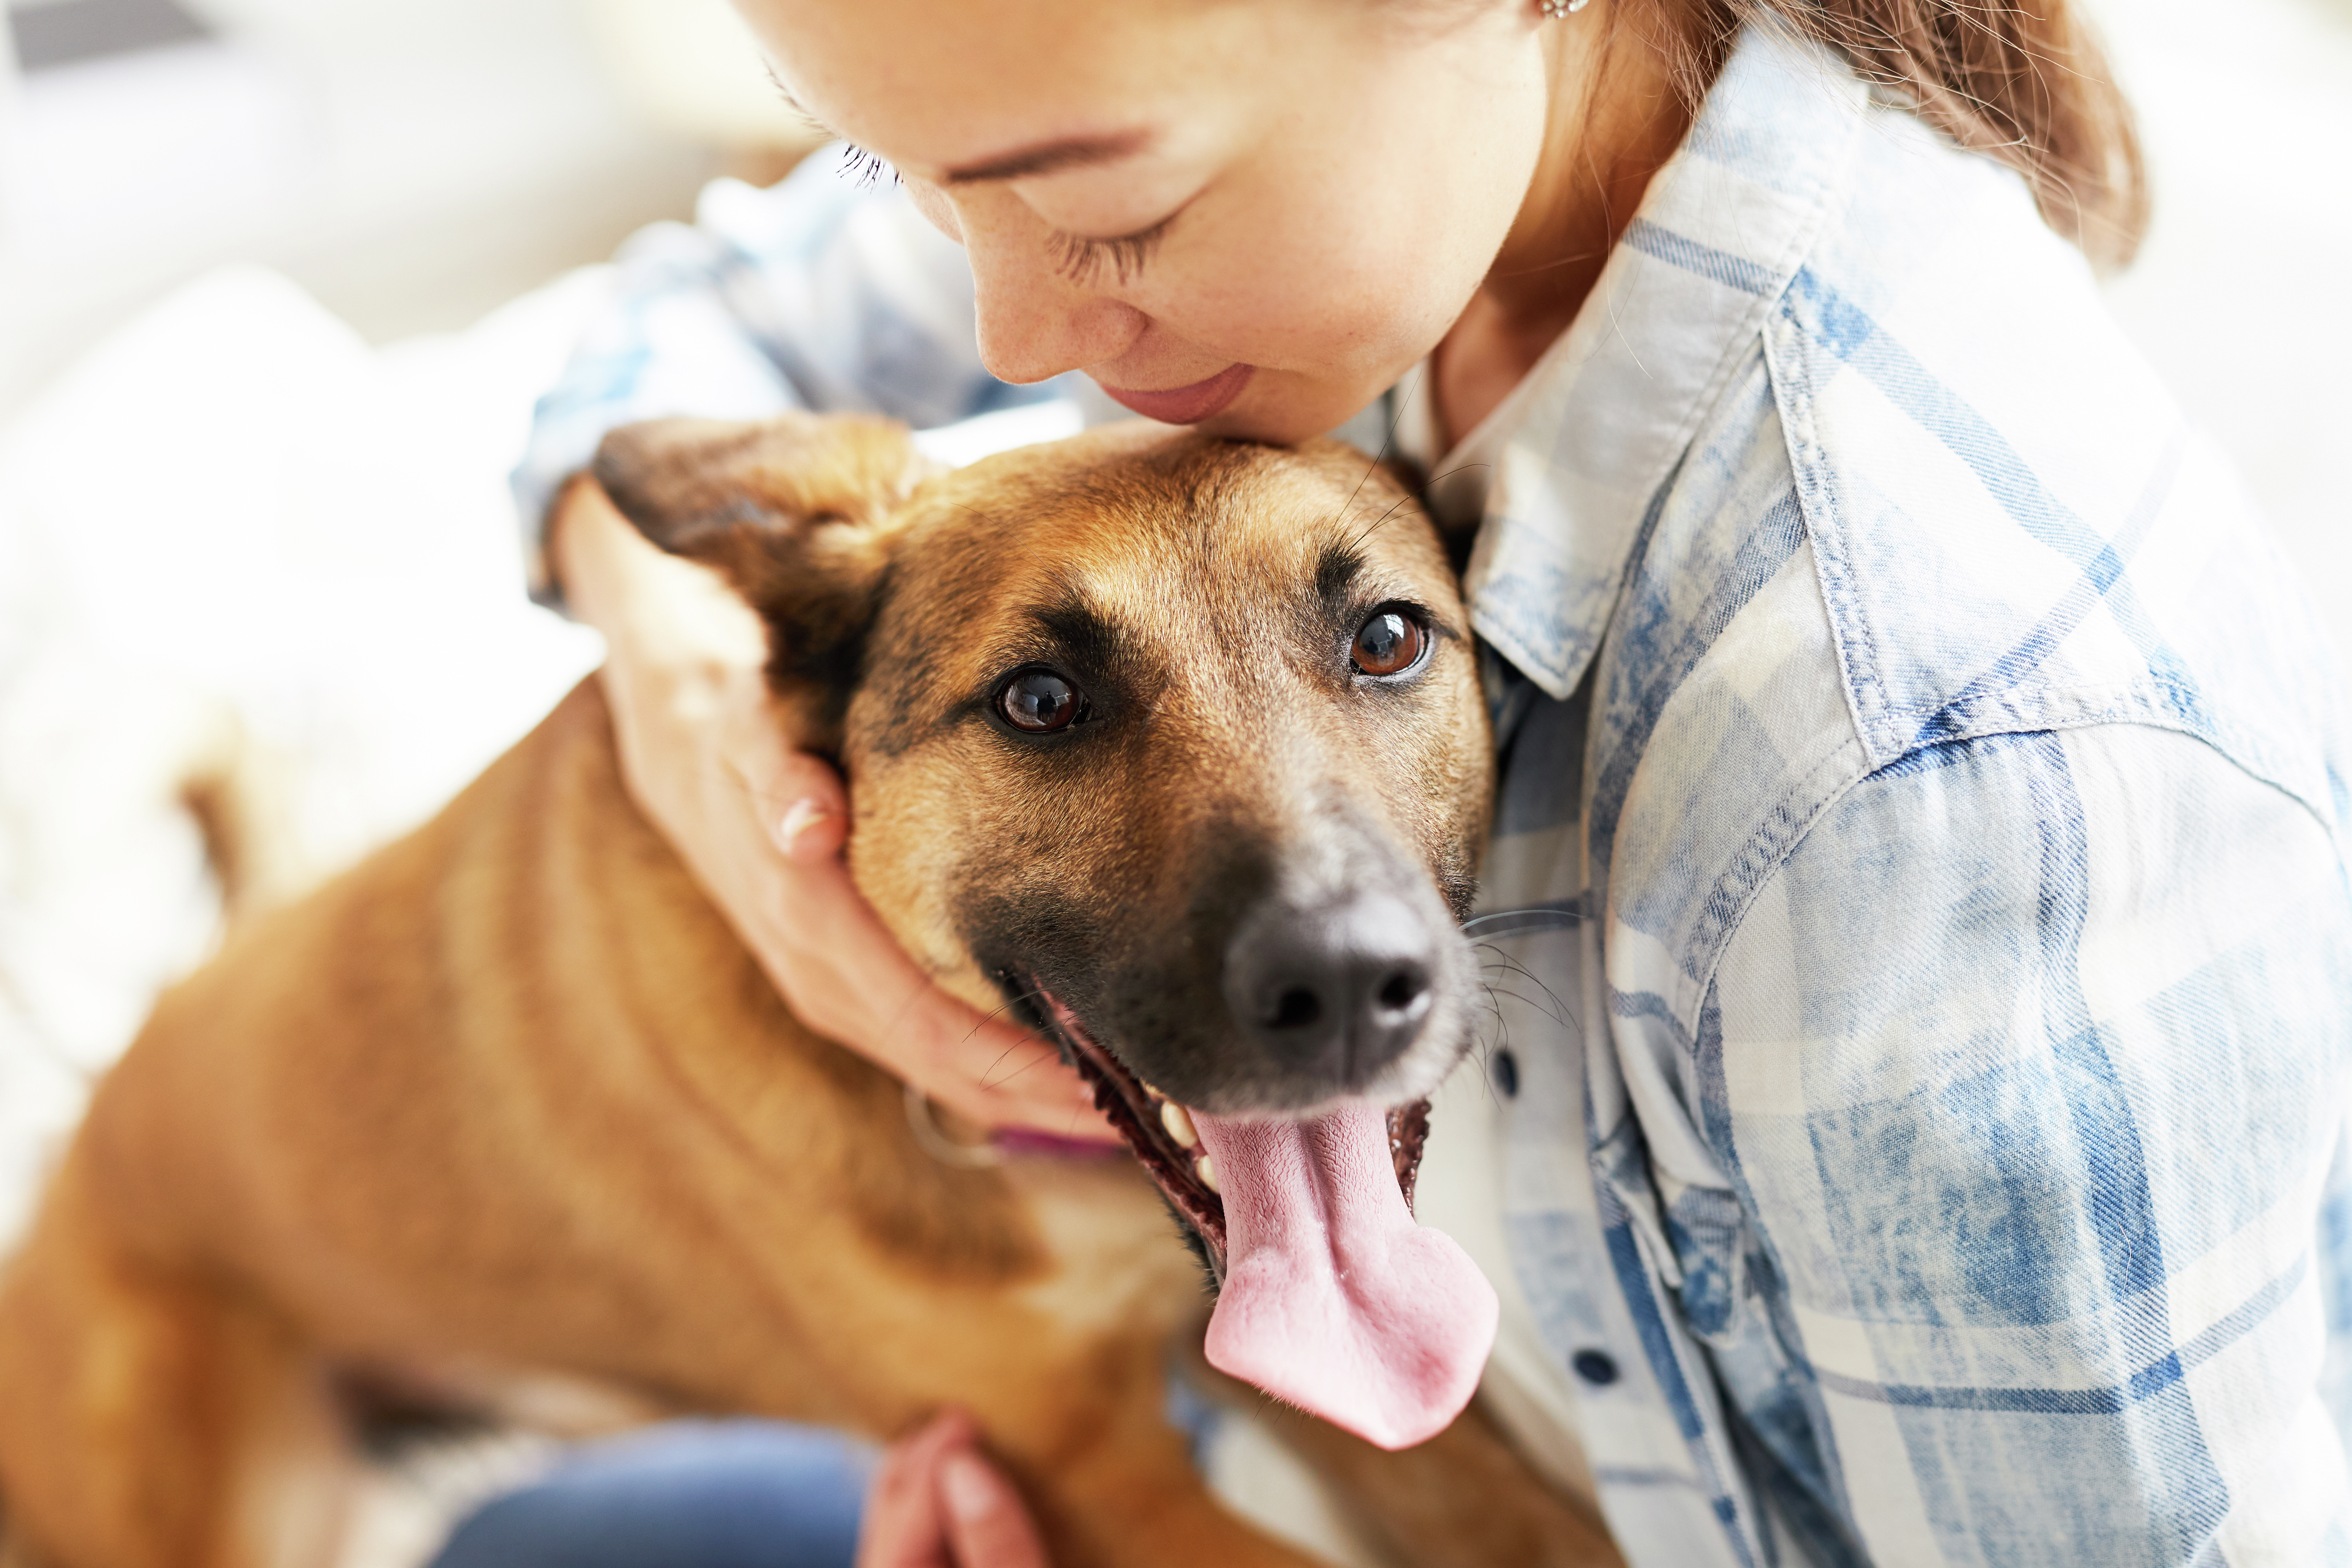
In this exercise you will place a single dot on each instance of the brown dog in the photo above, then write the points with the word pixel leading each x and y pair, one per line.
pixel 1175 745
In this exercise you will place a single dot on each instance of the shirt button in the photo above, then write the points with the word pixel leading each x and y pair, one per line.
pixel 1598 1368
pixel 1506 1073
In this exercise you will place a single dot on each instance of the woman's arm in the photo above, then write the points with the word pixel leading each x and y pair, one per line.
pixel 761 828
pixel 2031 1069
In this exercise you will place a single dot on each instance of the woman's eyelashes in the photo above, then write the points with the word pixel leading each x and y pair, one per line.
pixel 1083 261
pixel 863 169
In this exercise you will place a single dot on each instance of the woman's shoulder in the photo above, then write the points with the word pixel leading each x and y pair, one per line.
pixel 1944 502
pixel 2017 527
pixel 1935 500
pixel 1846 627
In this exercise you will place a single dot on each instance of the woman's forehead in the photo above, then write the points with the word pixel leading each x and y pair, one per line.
pixel 952 91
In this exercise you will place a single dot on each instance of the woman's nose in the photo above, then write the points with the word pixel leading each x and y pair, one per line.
pixel 1035 322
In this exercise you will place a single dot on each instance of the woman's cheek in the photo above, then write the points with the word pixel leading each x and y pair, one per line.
pixel 1309 296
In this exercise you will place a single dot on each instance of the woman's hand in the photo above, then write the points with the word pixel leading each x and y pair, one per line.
pixel 761 828
pixel 937 1503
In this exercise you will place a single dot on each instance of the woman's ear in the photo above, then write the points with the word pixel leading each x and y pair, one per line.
pixel 796 513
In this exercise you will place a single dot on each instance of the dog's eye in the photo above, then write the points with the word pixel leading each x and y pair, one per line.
pixel 1039 701
pixel 1389 642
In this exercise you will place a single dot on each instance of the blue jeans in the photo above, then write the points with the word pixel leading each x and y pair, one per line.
pixel 689 1494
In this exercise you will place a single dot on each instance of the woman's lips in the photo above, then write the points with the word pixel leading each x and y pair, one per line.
pixel 1187 404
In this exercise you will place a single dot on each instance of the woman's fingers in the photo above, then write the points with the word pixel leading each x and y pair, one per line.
pixel 799 797
pixel 849 979
pixel 761 827
pixel 988 1525
pixel 903 1526
pixel 936 1503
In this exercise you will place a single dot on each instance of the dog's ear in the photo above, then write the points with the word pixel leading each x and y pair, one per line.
pixel 795 512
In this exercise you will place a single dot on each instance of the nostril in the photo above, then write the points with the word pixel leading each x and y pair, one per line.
pixel 1402 990
pixel 1334 991
pixel 1295 1008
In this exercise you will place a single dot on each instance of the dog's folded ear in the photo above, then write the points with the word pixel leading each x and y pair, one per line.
pixel 759 501
pixel 795 512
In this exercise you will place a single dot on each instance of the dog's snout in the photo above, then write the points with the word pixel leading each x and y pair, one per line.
pixel 1335 992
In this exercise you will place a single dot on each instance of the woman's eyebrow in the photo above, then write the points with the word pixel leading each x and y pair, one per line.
pixel 1052 157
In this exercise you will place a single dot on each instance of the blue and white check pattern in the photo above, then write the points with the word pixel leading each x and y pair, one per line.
pixel 1957 791
pixel 820 293
pixel 1924 813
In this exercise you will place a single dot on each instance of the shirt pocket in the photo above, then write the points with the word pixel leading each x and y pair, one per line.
pixel 1711 1265
pixel 1706 1230
pixel 1693 1236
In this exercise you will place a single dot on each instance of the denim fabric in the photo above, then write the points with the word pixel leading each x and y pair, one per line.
pixel 1922 819
pixel 700 1494
pixel 1935 1115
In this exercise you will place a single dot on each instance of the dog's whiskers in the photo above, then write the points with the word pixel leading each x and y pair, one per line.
pixel 1002 1008
pixel 1554 1012
pixel 1379 456
pixel 1045 1048
pixel 1045 1053
pixel 1376 525
pixel 1504 960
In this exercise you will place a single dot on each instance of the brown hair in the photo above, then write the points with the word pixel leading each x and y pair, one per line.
pixel 2024 81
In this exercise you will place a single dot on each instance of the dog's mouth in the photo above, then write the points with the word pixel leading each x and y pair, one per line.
pixel 1165 1139
pixel 1160 1132
pixel 1328 1294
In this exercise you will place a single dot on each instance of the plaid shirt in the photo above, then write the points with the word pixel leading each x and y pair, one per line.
pixel 1923 946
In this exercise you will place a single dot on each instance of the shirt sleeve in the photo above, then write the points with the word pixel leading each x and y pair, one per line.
pixel 820 293
pixel 2028 1071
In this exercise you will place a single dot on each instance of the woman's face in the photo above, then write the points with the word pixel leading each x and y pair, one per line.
pixel 1249 215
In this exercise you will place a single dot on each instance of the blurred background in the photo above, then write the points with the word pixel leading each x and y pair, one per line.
pixel 279 280
pixel 409 165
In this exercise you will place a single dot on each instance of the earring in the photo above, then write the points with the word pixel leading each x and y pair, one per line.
pixel 1553 10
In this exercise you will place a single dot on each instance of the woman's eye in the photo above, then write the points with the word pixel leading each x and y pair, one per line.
pixel 1083 261
pixel 1039 701
pixel 1389 642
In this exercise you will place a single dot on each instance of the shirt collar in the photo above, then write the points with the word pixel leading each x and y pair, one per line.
pixel 1599 424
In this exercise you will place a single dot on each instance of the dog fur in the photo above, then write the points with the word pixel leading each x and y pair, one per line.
pixel 511 1100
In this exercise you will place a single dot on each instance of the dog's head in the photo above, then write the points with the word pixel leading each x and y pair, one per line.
pixel 1175 745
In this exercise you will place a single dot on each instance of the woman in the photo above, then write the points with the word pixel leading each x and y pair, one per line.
pixel 1937 1155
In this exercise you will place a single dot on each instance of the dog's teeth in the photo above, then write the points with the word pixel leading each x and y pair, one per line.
pixel 1207 1171
pixel 1149 1091
pixel 1179 1122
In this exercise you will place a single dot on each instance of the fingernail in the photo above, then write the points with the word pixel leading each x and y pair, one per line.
pixel 799 817
pixel 971 1490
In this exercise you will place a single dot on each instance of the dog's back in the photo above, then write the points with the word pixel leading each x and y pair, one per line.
pixel 510 1096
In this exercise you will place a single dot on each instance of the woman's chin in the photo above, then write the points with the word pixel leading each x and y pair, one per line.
pixel 1279 415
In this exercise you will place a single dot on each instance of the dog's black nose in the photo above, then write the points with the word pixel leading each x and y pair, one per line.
pixel 1338 991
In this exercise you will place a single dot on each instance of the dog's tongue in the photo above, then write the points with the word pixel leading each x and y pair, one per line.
pixel 1334 1298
